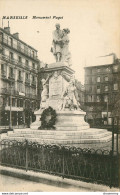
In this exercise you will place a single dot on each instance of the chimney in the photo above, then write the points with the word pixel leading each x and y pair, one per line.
pixel 7 29
pixel 16 35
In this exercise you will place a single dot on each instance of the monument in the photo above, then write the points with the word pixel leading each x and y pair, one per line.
pixel 59 90
pixel 60 103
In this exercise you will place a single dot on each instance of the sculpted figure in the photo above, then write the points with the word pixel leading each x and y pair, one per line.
pixel 70 98
pixel 57 35
pixel 44 94
pixel 66 55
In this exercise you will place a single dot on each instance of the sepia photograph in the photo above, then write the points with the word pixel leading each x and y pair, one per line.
pixel 59 96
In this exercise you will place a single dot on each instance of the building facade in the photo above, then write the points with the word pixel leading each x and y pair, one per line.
pixel 102 91
pixel 18 80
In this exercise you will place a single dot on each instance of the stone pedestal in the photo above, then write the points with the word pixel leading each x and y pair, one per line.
pixel 66 120
pixel 60 75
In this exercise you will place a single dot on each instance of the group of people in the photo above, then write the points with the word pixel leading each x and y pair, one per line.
pixel 60 44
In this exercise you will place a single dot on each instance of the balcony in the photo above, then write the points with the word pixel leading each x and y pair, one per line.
pixel 11 76
pixel 27 81
pixel 18 48
pixel 3 74
pixel 33 69
pixel 8 91
pixel 14 61
pixel 33 83
pixel 5 91
pixel 6 58
pixel 20 79
pixel 30 95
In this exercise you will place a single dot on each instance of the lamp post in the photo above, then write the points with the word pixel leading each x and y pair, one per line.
pixel 10 122
pixel 107 112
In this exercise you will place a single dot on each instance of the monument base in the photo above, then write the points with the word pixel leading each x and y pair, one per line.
pixel 85 138
pixel 66 120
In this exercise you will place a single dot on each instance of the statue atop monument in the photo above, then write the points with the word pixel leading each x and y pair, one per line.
pixel 60 43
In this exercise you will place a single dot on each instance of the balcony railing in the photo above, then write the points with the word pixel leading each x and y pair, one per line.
pixel 9 91
pixel 18 48
pixel 27 81
pixel 33 83
pixel 30 95
pixel 20 78
pixel 14 61
pixel 11 76
pixel 5 91
pixel 3 73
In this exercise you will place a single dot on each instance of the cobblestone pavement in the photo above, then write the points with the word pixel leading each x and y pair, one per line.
pixel 12 184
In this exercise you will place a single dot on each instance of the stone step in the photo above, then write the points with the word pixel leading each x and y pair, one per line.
pixel 52 132
pixel 71 128
pixel 104 143
pixel 3 135
pixel 93 140
pixel 61 136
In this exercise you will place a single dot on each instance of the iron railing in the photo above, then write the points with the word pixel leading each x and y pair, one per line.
pixel 18 48
pixel 89 165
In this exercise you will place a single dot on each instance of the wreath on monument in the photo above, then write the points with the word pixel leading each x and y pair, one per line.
pixel 48 118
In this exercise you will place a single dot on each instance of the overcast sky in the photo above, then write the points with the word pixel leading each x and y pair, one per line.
pixel 94 27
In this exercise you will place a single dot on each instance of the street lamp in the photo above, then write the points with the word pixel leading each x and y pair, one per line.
pixel 107 112
pixel 10 123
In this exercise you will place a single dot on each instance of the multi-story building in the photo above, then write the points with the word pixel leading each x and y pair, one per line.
pixel 102 91
pixel 18 80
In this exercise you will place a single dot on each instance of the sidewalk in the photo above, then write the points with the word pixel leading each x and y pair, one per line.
pixel 55 180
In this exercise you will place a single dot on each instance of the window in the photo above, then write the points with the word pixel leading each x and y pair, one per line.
pixel 13 102
pixel 10 41
pixel 2 67
pixel 19 45
pixel 98 89
pixel 106 98
pixel 98 98
pixel 11 71
pixel 98 79
pixel 11 55
pixel 106 88
pixel 33 78
pixel 21 103
pixel 18 103
pixel 26 49
pixel 108 69
pixel 19 59
pixel 33 65
pixel 115 86
pixel 115 68
pixel 26 62
pixel 26 75
pixel 20 87
pixel 33 105
pixel 9 101
pixel 98 70
pixel 19 75
pixel 106 78
pixel 33 54
pixel 90 98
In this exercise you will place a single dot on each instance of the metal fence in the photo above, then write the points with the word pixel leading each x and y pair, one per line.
pixel 89 165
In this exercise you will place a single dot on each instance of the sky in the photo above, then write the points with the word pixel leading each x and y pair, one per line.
pixel 94 27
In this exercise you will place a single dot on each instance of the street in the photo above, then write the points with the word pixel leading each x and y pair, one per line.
pixel 12 184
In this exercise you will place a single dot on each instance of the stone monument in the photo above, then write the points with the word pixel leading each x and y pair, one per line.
pixel 59 92
pixel 58 89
